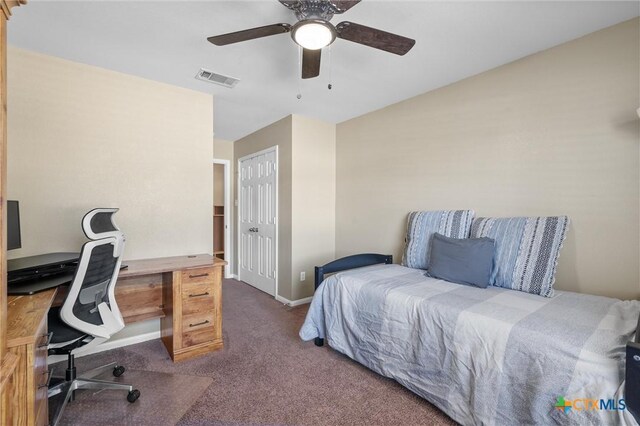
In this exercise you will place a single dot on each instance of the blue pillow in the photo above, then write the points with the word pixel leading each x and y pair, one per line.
pixel 527 250
pixel 466 261
pixel 422 225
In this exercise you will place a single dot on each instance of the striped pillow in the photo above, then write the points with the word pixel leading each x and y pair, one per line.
pixel 527 250
pixel 422 225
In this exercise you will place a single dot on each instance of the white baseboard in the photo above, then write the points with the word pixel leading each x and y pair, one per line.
pixel 294 302
pixel 233 276
pixel 126 341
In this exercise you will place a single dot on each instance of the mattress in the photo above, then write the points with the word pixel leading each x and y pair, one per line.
pixel 483 356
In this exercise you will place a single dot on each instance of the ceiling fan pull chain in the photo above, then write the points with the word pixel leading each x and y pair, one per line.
pixel 330 85
pixel 299 96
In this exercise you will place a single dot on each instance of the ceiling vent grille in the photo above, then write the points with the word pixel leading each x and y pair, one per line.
pixel 211 77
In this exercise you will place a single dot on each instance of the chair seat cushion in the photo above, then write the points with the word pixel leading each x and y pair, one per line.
pixel 61 331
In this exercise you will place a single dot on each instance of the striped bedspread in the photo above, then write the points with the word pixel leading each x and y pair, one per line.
pixel 484 356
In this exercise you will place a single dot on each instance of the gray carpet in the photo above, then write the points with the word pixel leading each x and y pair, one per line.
pixel 264 375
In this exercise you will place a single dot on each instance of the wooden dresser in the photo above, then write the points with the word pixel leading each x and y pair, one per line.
pixel 27 338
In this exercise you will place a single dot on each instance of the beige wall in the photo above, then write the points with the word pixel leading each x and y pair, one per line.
pixel 276 134
pixel 313 200
pixel 82 137
pixel 223 149
pixel 306 197
pixel 553 133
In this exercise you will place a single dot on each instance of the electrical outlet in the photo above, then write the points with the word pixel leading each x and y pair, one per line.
pixel 303 276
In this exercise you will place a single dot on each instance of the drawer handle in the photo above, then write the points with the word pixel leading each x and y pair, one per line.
pixel 46 343
pixel 199 323
pixel 199 275
pixel 49 375
pixel 199 295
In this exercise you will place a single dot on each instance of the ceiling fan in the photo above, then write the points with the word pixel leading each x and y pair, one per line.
pixel 313 31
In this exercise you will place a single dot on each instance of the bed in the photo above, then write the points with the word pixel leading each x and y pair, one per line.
pixel 483 356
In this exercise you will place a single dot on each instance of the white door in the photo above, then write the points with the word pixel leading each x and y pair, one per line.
pixel 258 220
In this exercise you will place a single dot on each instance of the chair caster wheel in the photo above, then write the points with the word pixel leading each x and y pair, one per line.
pixel 133 395
pixel 118 371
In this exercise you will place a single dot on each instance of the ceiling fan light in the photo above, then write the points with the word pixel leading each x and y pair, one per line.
pixel 314 35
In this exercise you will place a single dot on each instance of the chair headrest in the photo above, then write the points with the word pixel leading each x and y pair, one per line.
pixel 98 224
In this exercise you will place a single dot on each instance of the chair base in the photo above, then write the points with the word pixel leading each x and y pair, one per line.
pixel 69 385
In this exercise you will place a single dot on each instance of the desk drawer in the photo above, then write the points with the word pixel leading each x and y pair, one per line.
pixel 197 276
pixel 198 301
pixel 198 295
pixel 198 328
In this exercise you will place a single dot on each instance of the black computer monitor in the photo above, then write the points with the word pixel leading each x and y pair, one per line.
pixel 13 225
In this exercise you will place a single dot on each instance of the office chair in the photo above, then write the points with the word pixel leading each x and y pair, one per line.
pixel 90 314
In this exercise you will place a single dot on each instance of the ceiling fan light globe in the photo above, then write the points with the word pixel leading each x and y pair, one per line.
pixel 314 35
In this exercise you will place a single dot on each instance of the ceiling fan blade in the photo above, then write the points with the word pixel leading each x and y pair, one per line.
pixel 311 63
pixel 374 38
pixel 343 6
pixel 253 33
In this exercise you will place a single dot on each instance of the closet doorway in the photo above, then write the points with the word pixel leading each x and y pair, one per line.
pixel 222 213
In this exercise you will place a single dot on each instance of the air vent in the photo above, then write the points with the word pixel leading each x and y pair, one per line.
pixel 211 77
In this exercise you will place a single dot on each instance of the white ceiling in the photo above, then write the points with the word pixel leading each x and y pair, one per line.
pixel 166 41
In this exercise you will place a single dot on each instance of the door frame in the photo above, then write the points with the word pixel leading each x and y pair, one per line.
pixel 227 215
pixel 239 209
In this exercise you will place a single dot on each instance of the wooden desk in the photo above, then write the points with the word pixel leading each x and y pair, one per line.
pixel 27 340
pixel 140 288
pixel 185 292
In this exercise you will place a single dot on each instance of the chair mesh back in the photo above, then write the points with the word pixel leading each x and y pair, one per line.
pixel 101 222
pixel 94 288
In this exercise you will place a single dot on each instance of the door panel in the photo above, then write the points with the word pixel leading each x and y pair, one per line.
pixel 258 179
